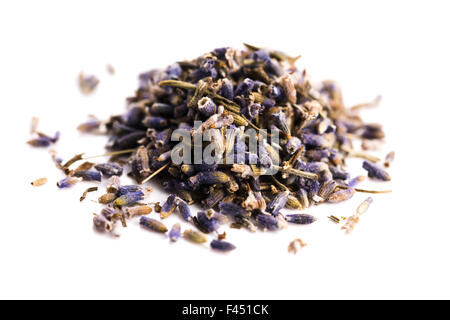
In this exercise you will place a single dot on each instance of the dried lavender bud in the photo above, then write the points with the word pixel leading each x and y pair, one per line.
pixel 183 208
pixel 375 171
pixel 43 140
pixel 206 106
pixel 389 158
pixel 316 141
pixel 175 232
pixel 168 207
pixel 277 203
pixel 39 142
pixel 152 224
pixel 88 175
pixel 138 211
pixel 87 83
pixel 364 206
pixel 205 223
pixel 222 245
pixel 67 182
pixel 245 87
pixel 128 199
pixel 232 209
pixel 226 89
pixel 102 224
pixel 281 122
pixel 300 218
pixel 206 178
pixel 111 214
pixel 109 169
pixel 338 173
pixel 89 126
pixel 293 145
pixel 355 181
pixel 39 182
pixel 194 236
pixel 266 221
pixel 127 189
pixel 161 109
pixel 341 195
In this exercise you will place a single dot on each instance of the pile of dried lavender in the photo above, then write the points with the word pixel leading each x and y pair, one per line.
pixel 287 140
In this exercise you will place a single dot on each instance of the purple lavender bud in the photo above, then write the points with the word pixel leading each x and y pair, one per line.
pixel 300 218
pixel 109 169
pixel 159 138
pixel 317 154
pixel 183 208
pixel 253 110
pixel 226 90
pixel 175 232
pixel 128 141
pixel 206 106
pixel 205 167
pixel 207 177
pixel 353 182
pixel 338 173
pixel 232 209
pixel 315 141
pixel 169 206
pixel 67 182
pixel 161 109
pixel 280 121
pixel 129 198
pixel 120 128
pixel 275 92
pixel 155 122
pixel 277 203
pixel 220 52
pixel 206 70
pixel 88 175
pixel 206 224
pixel 56 137
pixel 89 126
pixel 341 195
pixel 373 131
pixel 260 55
pixel 375 171
pixel 266 221
pixel 133 117
pixel 245 87
pixel 152 224
pixel 293 145
pixel 173 71
pixel 268 103
pixel 127 189
pixel 222 245
pixel 40 142
pixel 180 111
pixel 273 67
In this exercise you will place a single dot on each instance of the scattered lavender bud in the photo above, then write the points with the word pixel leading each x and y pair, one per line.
pixel 222 245
pixel 175 232
pixel 375 171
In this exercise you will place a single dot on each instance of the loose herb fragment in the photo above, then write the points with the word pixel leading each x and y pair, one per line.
pixel 87 83
pixel 39 182
pixel 91 189
pixel 296 245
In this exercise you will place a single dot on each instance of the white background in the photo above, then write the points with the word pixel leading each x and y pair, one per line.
pixel 48 248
